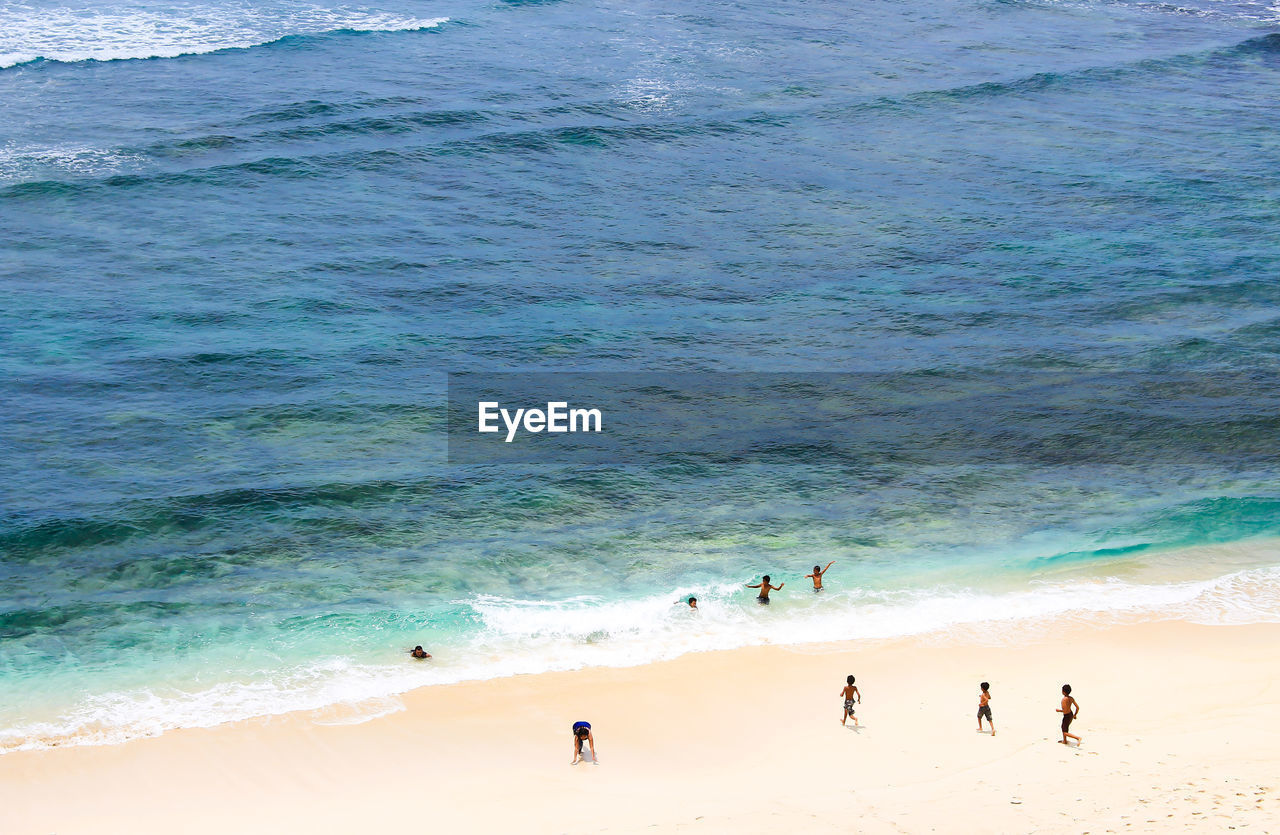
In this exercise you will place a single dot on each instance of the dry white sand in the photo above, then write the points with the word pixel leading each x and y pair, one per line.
pixel 1180 727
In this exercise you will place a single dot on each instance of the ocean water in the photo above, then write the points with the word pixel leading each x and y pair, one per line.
pixel 242 244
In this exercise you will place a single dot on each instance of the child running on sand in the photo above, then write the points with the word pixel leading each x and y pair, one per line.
pixel 984 707
pixel 850 693
pixel 816 576
pixel 1070 710
pixel 765 588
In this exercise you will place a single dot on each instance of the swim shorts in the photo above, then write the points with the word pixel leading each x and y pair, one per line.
pixel 984 711
pixel 848 706
pixel 1066 722
pixel 762 599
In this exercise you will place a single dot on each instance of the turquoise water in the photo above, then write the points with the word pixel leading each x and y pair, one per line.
pixel 242 244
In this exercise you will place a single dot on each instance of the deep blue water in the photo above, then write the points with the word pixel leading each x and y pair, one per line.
pixel 235 275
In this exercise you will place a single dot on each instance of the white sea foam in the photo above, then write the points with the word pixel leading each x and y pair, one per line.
pixel 519 637
pixel 123 31
pixel 19 162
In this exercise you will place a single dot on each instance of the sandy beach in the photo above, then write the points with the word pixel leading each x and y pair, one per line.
pixel 511 327
pixel 1177 723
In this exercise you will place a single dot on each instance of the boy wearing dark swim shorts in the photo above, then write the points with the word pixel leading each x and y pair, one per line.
pixel 765 587
pixel 1070 710
pixel 984 707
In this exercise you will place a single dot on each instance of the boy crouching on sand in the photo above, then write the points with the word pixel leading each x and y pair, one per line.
pixel 850 693
pixel 1070 710
pixel 582 733
pixel 984 707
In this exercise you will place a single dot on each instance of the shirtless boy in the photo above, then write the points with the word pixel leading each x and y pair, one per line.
pixel 816 576
pixel 984 707
pixel 1070 710
pixel 850 693
pixel 765 588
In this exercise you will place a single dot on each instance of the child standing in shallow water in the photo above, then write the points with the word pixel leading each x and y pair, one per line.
pixel 765 587
pixel 984 707
pixel 850 693
pixel 816 576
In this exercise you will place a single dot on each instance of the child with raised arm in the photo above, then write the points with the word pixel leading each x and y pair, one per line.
pixel 850 693
pixel 1070 710
pixel 765 588
pixel 816 576
pixel 984 707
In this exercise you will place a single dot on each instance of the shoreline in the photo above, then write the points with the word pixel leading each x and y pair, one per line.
pixel 649 631
pixel 1175 717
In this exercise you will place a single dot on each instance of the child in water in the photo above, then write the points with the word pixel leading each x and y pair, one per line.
pixel 765 587
pixel 816 576
pixel 850 693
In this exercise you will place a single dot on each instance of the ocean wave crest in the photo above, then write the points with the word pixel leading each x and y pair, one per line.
pixel 116 33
